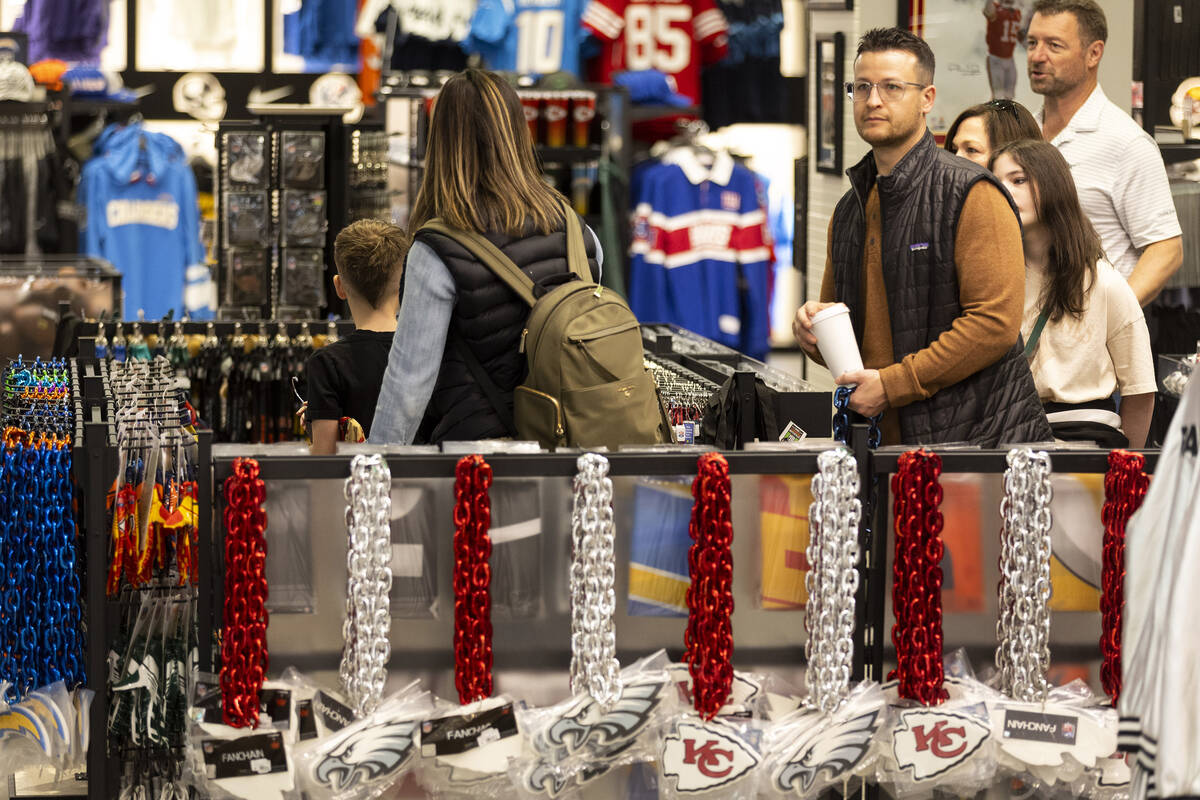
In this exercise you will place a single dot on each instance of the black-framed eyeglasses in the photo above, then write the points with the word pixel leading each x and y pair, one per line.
pixel 889 91
pixel 1005 105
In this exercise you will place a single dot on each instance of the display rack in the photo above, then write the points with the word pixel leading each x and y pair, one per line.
pixel 95 463
pixel 253 273
pixel 795 400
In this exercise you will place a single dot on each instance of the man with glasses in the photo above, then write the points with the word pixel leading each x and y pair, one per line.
pixel 925 250
pixel 1117 167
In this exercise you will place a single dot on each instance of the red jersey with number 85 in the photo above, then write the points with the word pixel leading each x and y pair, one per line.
pixel 674 36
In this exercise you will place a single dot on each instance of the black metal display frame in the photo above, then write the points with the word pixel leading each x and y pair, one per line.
pixel 95 463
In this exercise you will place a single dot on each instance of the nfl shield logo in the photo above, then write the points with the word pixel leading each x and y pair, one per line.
pixel 1068 730
pixel 730 201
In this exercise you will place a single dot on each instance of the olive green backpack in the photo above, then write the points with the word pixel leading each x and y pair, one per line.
pixel 587 385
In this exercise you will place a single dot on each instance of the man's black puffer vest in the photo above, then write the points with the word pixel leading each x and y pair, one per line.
pixel 920 203
pixel 489 317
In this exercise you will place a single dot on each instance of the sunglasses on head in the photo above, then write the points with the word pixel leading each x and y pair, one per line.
pixel 1003 105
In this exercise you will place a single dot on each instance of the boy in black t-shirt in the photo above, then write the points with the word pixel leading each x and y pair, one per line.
pixel 344 377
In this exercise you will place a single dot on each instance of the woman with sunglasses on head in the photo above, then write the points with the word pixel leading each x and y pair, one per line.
pixel 456 356
pixel 987 127
pixel 1085 336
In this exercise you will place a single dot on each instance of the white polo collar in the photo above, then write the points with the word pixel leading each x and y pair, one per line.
pixel 1085 120
pixel 686 159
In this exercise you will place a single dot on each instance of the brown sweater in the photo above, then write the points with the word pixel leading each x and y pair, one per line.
pixel 991 285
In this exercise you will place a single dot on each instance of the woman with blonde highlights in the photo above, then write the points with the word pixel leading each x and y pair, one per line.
pixel 455 356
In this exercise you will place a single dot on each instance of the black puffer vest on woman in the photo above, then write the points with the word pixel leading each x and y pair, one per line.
pixel 488 319
pixel 920 203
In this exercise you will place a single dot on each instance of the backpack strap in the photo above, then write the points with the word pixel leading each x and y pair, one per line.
pixel 576 252
pixel 490 256
pixel 494 259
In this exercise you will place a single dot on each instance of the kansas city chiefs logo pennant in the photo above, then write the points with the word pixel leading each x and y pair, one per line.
pixel 703 756
pixel 930 743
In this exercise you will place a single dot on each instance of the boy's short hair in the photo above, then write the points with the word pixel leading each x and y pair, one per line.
pixel 368 255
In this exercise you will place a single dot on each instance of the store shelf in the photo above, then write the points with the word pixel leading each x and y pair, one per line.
pixel 646 113
pixel 1065 460
pixel 517 465
pixel 1183 151
pixel 589 153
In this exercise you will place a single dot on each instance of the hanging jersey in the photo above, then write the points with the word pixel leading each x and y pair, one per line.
pixel 1160 650
pixel 142 215
pixel 700 254
pixel 677 37
pixel 322 32
pixel 1003 28
pixel 528 36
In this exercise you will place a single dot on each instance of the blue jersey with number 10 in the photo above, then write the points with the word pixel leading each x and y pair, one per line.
pixel 527 36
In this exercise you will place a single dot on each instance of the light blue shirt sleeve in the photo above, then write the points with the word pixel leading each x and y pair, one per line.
pixel 417 347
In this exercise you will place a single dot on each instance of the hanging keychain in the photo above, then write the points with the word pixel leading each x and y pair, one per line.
pixel 703 754
pixel 363 669
pixel 827 743
pixel 613 716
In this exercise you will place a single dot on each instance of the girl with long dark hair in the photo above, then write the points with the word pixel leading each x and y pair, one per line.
pixel 1084 331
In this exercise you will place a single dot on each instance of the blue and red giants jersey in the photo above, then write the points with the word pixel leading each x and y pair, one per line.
pixel 696 230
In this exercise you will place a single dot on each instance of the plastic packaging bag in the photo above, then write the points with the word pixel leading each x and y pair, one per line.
pixel 465 750
pixel 949 746
pixel 368 757
pixel 574 742
pixel 718 758
pixel 809 751
pixel 224 762
pixel 748 697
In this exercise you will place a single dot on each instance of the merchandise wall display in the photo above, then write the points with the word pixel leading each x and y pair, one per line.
pixel 245 380
pixel 285 187
pixel 685 722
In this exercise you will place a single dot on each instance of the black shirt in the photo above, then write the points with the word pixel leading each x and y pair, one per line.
pixel 344 377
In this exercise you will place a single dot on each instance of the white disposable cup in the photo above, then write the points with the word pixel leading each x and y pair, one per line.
pixel 835 340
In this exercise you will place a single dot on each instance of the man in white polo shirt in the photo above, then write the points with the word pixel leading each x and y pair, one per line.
pixel 1117 166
